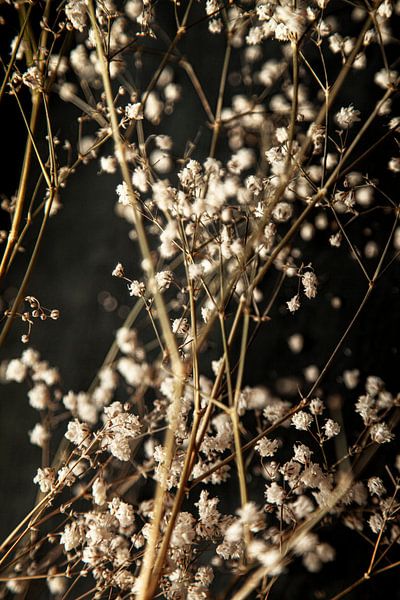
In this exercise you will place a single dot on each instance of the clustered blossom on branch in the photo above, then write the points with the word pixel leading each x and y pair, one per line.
pixel 137 501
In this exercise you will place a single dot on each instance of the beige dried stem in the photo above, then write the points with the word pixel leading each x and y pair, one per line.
pixel 162 314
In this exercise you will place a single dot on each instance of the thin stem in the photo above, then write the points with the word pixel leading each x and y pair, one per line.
pixel 169 338
pixel 224 75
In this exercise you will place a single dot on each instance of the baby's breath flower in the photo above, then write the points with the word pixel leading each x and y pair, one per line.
pixel 365 407
pixel 331 428
pixel 316 406
pixel 180 326
pixel 78 433
pixel 282 212
pixel 311 373
pixel 209 515
pixel 123 194
pixel 274 493
pixel 394 164
pixel 99 491
pixel 108 164
pixel 302 420
pixel 123 512
pixel 118 271
pixel 184 533
pixel 335 239
pixel 16 370
pixel 45 478
pixel 134 111
pixel 120 428
pixel 385 78
pixel 195 270
pixel 347 116
pixel 294 303
pixel 206 312
pixel 310 282
pixel 164 279
pixel 302 454
pixel 76 13
pixel 15 586
pixel 33 78
pixel 136 288
pixel 139 180
pixel 375 486
pixel 295 342
pixel 39 396
pixel 30 357
pixel 376 523
pixel 71 537
pixel 288 23
pixel 380 433
pixel 39 435
pixel 56 584
pixel 351 378
pixel 272 559
pixel 266 447
pixel 373 385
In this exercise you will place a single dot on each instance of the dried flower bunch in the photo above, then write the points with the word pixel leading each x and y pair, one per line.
pixel 175 477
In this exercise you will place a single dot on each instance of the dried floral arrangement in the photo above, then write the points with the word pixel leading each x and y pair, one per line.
pixel 133 502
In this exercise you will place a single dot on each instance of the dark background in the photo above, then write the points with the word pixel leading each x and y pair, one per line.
pixel 84 241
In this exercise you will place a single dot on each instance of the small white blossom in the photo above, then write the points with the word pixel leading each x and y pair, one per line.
pixel 180 326
pixel 123 194
pixel 39 435
pixel 374 385
pixel 76 13
pixel 351 378
pixel 33 78
pixel 16 370
pixel 71 536
pixel 302 420
pixel 136 288
pixel 288 23
pixel 375 486
pixel 380 433
pixel 302 454
pixel 139 180
pixel 274 493
pixel 164 279
pixel 118 271
pixel 108 164
pixel 294 303
pixel 347 116
pixel 310 282
pixel 99 491
pixel 282 212
pixel 120 428
pixel 335 239
pixel 376 523
pixel 30 357
pixel 184 533
pixel 316 406
pixel 331 428
pixel 394 165
pixel 266 447
pixel 134 111
pixel 296 342
pixel 45 479
pixel 39 396
pixel 78 433
pixel 195 270
pixel 385 78
pixel 311 373
pixel 56 584
pixel 122 511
